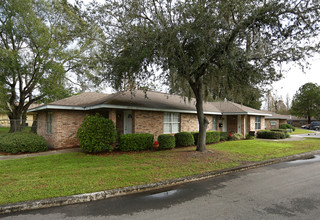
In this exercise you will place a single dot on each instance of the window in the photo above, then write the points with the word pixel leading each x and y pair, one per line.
pixel 171 123
pixel 258 122
pixel 214 123
pixel 273 123
pixel 49 122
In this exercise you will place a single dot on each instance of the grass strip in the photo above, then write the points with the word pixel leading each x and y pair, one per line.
pixel 75 173
pixel 302 131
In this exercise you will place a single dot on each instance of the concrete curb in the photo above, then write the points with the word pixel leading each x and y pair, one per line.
pixel 87 197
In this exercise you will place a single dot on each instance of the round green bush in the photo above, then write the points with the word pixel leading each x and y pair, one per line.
pixel 135 142
pixel 184 139
pixel 22 142
pixel 166 141
pixel 97 134
pixel 236 136
pixel 287 126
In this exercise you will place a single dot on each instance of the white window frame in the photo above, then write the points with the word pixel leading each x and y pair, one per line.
pixel 171 116
pixel 257 122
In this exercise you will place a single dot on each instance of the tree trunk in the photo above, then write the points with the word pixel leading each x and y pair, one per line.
pixel 203 121
pixel 309 119
pixel 17 120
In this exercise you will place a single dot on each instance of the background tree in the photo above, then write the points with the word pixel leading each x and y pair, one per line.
pixel 200 46
pixel 40 41
pixel 306 101
pixel 275 103
pixel 248 96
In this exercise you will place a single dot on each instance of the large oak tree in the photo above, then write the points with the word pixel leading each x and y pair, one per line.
pixel 40 42
pixel 204 47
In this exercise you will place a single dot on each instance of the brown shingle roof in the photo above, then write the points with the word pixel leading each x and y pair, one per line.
pixel 155 100
pixel 276 116
pixel 231 107
pixel 139 99
pixel 82 100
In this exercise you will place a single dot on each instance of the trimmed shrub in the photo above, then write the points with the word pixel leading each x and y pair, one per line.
pixel 287 126
pixel 270 134
pixel 22 142
pixel 211 137
pixel 224 136
pixel 135 142
pixel 236 136
pixel 184 139
pixel 166 141
pixel 250 137
pixel 97 134
pixel 252 133
pixel 285 131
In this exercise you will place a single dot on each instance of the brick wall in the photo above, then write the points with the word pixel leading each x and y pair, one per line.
pixel 263 123
pixel 251 123
pixel 67 124
pixel 189 122
pixel 148 122
pixel 268 123
pixel 42 128
pixel 283 121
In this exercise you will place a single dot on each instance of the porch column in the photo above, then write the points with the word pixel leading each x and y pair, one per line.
pixel 113 116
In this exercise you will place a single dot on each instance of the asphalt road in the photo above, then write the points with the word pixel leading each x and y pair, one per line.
pixel 288 190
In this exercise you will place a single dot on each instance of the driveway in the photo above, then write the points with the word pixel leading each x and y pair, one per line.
pixel 311 135
pixel 287 190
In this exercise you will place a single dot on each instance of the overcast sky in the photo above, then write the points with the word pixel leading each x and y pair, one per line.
pixel 295 78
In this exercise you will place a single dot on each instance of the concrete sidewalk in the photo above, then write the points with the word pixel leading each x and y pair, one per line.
pixel 51 152
pixel 311 135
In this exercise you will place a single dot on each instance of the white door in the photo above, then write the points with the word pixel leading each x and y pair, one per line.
pixel 224 126
pixel 127 122
pixel 239 124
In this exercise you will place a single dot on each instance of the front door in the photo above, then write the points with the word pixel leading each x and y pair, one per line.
pixel 127 122
pixel 239 124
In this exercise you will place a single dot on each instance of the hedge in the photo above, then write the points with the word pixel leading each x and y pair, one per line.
pixel 285 131
pixel 287 126
pixel 97 134
pixel 22 142
pixel 166 141
pixel 211 137
pixel 135 142
pixel 184 139
pixel 224 136
pixel 236 136
pixel 270 134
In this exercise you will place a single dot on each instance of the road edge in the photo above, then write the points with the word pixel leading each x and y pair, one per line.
pixel 87 197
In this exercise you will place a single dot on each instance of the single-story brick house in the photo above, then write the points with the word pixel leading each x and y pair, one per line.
pixel 140 112
pixel 298 121
pixel 275 120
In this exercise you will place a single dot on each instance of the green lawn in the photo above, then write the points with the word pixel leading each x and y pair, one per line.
pixel 6 129
pixel 74 173
pixel 302 131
